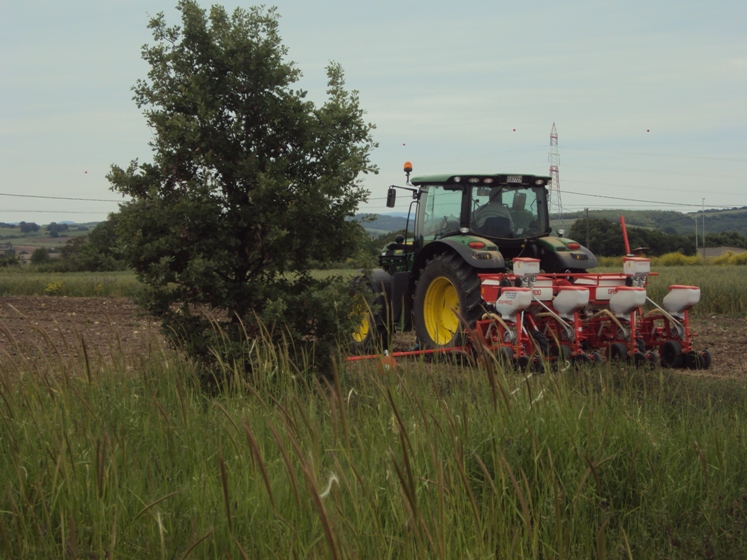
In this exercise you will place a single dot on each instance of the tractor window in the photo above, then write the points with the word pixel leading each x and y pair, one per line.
pixel 507 212
pixel 441 211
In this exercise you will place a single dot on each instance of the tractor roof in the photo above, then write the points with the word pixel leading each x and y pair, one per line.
pixel 480 179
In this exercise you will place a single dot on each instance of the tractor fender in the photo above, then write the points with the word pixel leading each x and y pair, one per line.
pixel 476 258
pixel 555 257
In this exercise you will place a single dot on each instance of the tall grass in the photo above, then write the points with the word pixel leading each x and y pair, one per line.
pixel 722 288
pixel 118 458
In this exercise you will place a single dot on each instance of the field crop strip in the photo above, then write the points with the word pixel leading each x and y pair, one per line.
pixel 21 282
pixel 430 461
pixel 722 288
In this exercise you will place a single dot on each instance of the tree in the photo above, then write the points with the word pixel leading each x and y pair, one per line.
pixel 40 256
pixel 96 251
pixel 606 238
pixel 54 227
pixel 28 227
pixel 250 183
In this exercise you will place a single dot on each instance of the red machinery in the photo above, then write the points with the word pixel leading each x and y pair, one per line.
pixel 586 316
pixel 532 317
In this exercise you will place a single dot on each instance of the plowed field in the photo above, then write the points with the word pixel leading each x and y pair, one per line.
pixel 37 325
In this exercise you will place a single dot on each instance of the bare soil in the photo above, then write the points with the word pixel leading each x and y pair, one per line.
pixel 62 326
pixel 108 326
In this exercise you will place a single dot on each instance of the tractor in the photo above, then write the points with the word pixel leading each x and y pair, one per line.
pixel 460 227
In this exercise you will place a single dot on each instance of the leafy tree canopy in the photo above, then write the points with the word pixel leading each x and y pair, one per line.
pixel 606 238
pixel 250 182
pixel 28 227
pixel 97 251
pixel 39 256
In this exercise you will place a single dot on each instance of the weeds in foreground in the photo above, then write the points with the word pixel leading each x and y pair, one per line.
pixel 428 461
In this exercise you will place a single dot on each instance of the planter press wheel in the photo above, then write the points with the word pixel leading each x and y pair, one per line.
pixel 582 360
pixel 670 354
pixel 641 360
pixel 617 352
pixel 596 358
pixel 698 360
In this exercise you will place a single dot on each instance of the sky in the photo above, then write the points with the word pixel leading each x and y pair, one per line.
pixel 649 99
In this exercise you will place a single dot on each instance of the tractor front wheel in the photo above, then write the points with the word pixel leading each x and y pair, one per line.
pixel 447 293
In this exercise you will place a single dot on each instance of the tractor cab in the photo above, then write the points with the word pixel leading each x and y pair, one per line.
pixel 505 209
pixel 505 215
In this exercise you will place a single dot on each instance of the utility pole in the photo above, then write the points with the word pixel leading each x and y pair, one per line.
pixel 703 228
pixel 696 234
pixel 588 243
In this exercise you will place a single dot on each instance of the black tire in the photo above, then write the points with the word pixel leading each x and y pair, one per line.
pixel 374 331
pixel 524 364
pixel 596 358
pixel 706 358
pixel 446 284
pixel 617 352
pixel 640 360
pixel 698 360
pixel 540 342
pixel 582 361
pixel 670 354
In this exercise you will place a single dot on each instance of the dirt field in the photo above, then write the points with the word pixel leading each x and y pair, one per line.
pixel 53 325
pixel 30 325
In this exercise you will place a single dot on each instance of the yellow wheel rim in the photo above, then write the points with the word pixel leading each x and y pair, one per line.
pixel 441 300
pixel 361 314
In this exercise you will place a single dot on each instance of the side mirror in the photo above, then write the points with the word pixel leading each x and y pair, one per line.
pixel 561 232
pixel 391 197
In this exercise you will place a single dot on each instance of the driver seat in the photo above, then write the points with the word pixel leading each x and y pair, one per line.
pixel 497 226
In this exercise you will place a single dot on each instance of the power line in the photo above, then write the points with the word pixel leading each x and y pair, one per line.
pixel 59 197
pixel 655 171
pixel 3 211
pixel 658 188
pixel 684 156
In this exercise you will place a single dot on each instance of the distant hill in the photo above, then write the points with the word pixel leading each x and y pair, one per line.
pixel 669 221
pixel 379 224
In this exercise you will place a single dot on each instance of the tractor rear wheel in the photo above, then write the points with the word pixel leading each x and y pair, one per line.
pixel 447 293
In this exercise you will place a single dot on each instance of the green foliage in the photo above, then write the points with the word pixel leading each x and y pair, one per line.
pixel 54 227
pixel 96 252
pixel 126 458
pixel 250 185
pixel 8 260
pixel 27 227
pixel 40 256
pixel 726 239
pixel 606 238
pixel 732 220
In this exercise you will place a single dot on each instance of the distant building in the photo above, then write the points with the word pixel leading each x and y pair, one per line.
pixel 718 251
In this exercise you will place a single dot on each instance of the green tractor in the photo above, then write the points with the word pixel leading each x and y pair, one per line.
pixel 464 225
